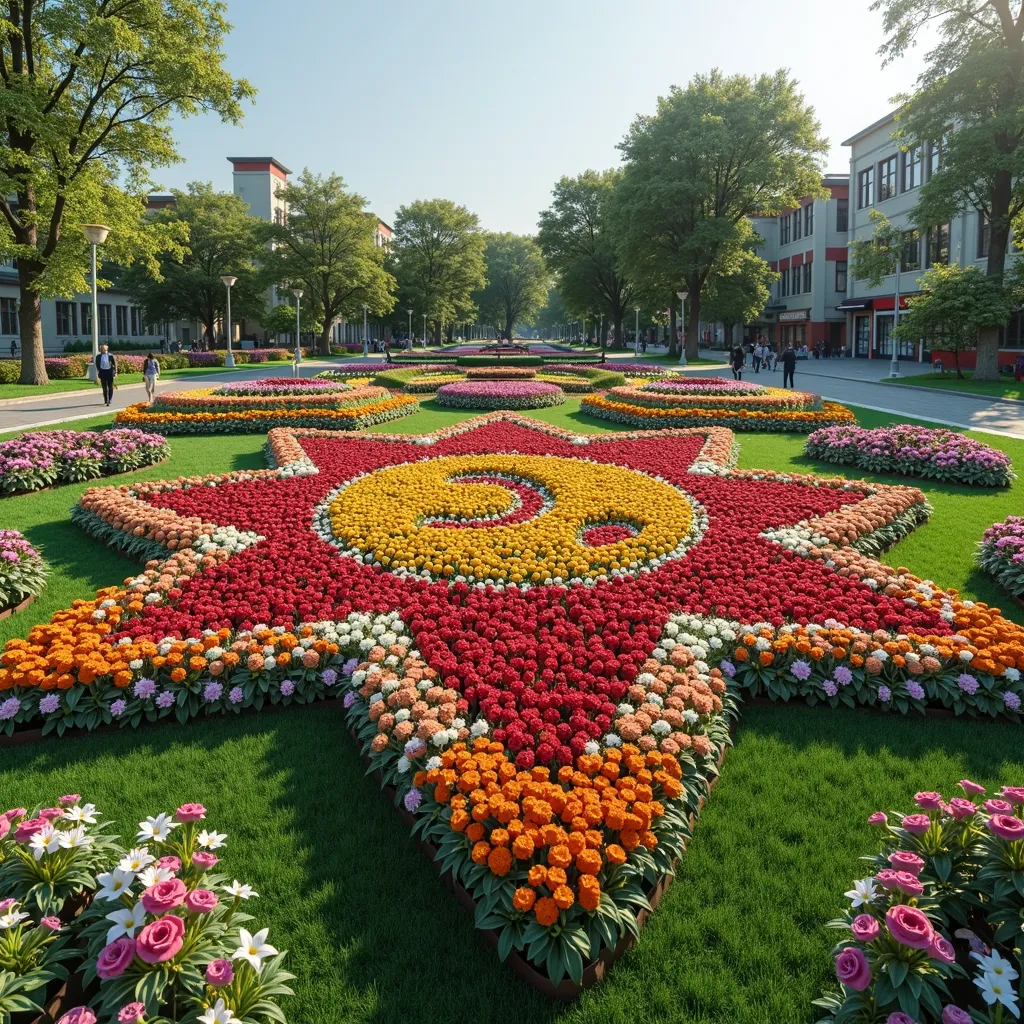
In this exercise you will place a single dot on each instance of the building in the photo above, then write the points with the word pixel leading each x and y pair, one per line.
pixel 806 246
pixel 887 178
pixel 67 321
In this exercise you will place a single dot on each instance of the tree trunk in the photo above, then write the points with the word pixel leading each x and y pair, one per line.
pixel 618 342
pixel 693 328
pixel 33 364
pixel 987 363
pixel 324 346
pixel 673 351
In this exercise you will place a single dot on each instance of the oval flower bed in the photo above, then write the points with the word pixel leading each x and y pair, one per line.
pixel 22 571
pixel 429 383
pixel 677 394
pixel 570 384
pixel 706 386
pixel 40 459
pixel 1002 554
pixel 913 451
pixel 202 411
pixel 638 407
pixel 501 373
pixel 500 395
pixel 281 386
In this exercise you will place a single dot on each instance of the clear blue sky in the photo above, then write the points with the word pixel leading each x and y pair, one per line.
pixel 488 103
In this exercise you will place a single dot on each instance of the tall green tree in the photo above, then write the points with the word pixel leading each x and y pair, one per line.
pixel 554 314
pixel 327 247
pixel 517 281
pixel 737 293
pixel 88 92
pixel 956 306
pixel 437 256
pixel 576 239
pixel 713 154
pixel 969 102
pixel 223 238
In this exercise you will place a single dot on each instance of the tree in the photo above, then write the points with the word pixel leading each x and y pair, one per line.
pixel 517 281
pixel 970 103
pixel 281 320
pixel 223 238
pixel 877 256
pixel 553 315
pixel 437 255
pixel 327 246
pixel 713 154
pixel 956 305
pixel 88 92
pixel 738 293
pixel 576 239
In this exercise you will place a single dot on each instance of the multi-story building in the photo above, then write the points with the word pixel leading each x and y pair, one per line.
pixel 807 247
pixel 888 178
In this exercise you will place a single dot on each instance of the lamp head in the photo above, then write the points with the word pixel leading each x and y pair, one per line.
pixel 95 234
pixel 682 295
pixel 297 292
pixel 228 279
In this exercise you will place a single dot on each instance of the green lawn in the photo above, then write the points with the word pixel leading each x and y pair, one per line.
pixel 1006 387
pixel 740 937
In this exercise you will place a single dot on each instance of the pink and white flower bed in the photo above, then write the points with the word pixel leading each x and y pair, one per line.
pixel 506 394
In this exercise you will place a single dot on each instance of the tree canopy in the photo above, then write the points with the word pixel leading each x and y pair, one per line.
pixel 713 154
pixel 437 256
pixel 969 104
pixel 576 239
pixel 955 306
pixel 223 238
pixel 517 281
pixel 327 246
pixel 737 293
pixel 88 93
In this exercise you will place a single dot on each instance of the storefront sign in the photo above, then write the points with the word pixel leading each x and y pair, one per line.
pixel 794 314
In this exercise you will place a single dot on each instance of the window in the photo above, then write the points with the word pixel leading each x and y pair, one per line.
pixel 105 319
pixel 66 319
pixel 887 178
pixel 122 321
pixel 936 245
pixel 912 167
pixel 984 235
pixel 784 230
pixel 795 286
pixel 865 185
pixel 137 327
pixel 840 275
pixel 87 318
pixel 842 215
pixel 797 224
pixel 809 219
pixel 910 254
pixel 1012 335
pixel 935 156
pixel 807 276
pixel 784 284
pixel 8 316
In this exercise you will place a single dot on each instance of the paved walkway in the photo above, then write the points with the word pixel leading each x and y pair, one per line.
pixel 67 406
pixel 857 382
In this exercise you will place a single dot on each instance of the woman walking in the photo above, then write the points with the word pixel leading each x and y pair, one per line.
pixel 736 361
pixel 150 374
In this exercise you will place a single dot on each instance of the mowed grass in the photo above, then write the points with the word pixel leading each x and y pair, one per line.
pixel 740 937
pixel 1005 387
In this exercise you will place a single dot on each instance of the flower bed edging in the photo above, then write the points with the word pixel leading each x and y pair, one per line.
pixel 8 612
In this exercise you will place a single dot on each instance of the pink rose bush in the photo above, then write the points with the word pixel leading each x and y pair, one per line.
pixel 934 935
pixel 163 935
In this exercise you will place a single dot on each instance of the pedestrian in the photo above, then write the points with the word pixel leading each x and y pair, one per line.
pixel 758 355
pixel 163 345
pixel 736 361
pixel 1018 368
pixel 106 366
pixel 150 374
pixel 788 366
pixel 14 349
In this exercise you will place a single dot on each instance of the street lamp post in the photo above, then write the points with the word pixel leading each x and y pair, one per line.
pixel 682 329
pixel 894 366
pixel 409 311
pixel 297 292
pixel 366 348
pixel 229 280
pixel 95 234
pixel 424 330
pixel 636 337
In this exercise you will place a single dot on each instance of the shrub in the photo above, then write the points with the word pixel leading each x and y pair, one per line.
pixel 508 394
pixel 65 367
pixel 1002 554
pixel 10 371
pixel 500 361
pixel 22 570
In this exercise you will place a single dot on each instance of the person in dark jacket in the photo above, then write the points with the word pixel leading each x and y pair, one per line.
pixel 106 368
pixel 788 366
pixel 736 360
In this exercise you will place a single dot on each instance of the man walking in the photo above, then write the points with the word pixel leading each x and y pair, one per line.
pixel 788 366
pixel 106 366
pixel 736 360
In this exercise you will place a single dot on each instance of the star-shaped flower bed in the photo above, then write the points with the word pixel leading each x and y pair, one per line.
pixel 543 625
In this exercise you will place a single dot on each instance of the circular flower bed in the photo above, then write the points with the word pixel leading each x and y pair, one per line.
pixel 527 394
pixel 661 404
pixel 429 383
pixel 1002 554
pixel 43 458
pixel 570 384
pixel 706 386
pixel 22 570
pixel 913 451
pixel 501 373
pixel 202 411
pixel 282 386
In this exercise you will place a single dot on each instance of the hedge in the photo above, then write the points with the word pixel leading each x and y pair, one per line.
pixel 500 361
